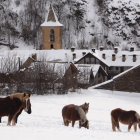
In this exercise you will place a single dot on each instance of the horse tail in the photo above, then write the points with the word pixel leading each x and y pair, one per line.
pixel 113 124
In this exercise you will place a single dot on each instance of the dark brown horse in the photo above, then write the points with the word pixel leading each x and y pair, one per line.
pixel 74 113
pixel 125 117
pixel 12 104
pixel 29 112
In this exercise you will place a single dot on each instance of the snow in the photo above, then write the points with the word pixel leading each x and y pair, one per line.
pixel 51 24
pixel 46 122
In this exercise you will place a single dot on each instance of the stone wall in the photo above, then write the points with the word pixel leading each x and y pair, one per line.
pixel 127 81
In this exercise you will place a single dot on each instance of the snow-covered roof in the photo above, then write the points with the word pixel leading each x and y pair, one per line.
pixel 67 56
pixel 51 19
pixel 118 57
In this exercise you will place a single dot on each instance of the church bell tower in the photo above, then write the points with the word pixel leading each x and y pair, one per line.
pixel 51 31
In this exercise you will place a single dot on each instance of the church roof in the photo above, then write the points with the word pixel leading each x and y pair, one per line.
pixel 51 19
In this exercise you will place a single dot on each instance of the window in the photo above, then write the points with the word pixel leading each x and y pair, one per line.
pixel 117 68
pixel 92 60
pixel 82 61
pixel 98 74
pixel 87 60
pixel 121 69
pixel 97 61
pixel 110 68
pixel 52 35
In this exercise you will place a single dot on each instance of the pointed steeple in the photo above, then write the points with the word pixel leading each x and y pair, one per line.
pixel 51 16
pixel 51 19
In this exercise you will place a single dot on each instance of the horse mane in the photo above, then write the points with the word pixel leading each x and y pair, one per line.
pixel 17 95
pixel 81 113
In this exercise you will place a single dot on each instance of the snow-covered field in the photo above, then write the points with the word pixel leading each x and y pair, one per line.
pixel 45 122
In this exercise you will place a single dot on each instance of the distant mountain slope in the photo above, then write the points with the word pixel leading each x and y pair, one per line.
pixel 87 23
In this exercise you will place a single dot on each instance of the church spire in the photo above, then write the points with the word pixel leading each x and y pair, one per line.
pixel 51 16
pixel 51 19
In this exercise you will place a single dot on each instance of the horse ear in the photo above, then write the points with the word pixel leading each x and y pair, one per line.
pixel 29 94
pixel 24 94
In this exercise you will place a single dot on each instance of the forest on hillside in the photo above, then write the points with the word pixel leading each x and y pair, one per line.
pixel 87 23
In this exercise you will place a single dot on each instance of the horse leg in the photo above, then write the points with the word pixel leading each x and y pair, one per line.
pixel 67 121
pixel 9 119
pixel 18 114
pixel 118 127
pixel 64 120
pixel 135 127
pixel 79 124
pixel 14 120
pixel 73 122
pixel 129 126
pixel 113 124
pixel 0 120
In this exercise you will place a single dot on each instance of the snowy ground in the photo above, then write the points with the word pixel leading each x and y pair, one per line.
pixel 45 122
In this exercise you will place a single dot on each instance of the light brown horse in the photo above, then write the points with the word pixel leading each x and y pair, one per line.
pixel 11 105
pixel 74 113
pixel 84 106
pixel 125 117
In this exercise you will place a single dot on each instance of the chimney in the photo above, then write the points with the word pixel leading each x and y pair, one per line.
pixel 134 58
pixel 72 49
pixel 123 58
pixel 34 56
pixel 93 50
pixel 113 57
pixel 103 55
pixel 74 56
pixel 101 48
pixel 84 53
pixel 131 49
pixel 116 50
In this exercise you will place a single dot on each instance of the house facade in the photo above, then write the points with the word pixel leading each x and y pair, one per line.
pixel 113 62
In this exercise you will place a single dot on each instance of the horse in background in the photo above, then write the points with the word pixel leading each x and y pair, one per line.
pixel 84 106
pixel 29 112
pixel 74 113
pixel 125 117
pixel 11 105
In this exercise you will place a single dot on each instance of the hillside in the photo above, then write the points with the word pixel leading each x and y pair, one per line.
pixel 87 23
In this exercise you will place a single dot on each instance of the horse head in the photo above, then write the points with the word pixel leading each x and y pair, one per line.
pixel 85 107
pixel 26 102
pixel 84 124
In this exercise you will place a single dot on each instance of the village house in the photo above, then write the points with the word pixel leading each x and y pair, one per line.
pixel 128 81
pixel 114 61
